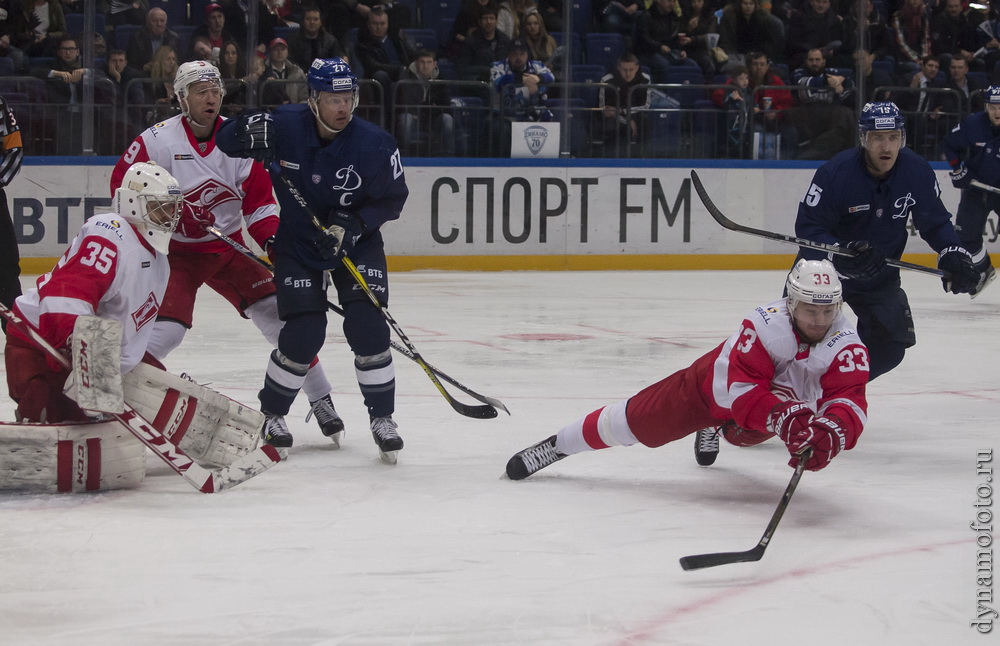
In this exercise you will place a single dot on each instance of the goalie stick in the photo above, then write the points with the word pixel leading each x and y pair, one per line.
pixel 487 411
pixel 700 561
pixel 202 479
pixel 235 244
pixel 801 242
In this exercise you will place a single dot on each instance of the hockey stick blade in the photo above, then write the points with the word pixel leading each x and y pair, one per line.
pixel 487 411
pixel 235 244
pixel 701 561
pixel 202 479
pixel 800 242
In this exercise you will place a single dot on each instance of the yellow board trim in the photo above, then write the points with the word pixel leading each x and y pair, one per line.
pixel 568 263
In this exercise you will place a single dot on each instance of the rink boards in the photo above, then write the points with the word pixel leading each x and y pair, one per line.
pixel 501 214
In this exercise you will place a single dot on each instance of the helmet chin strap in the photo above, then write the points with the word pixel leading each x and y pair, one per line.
pixel 315 110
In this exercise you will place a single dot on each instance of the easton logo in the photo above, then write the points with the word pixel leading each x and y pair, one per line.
pixel 199 204
pixel 146 312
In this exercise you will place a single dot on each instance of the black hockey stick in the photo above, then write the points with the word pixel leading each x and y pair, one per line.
pixel 487 411
pixel 781 237
pixel 700 561
pixel 202 479
pixel 496 403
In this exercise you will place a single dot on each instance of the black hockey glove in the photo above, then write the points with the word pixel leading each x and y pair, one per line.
pixel 960 275
pixel 961 177
pixel 256 131
pixel 867 263
pixel 342 230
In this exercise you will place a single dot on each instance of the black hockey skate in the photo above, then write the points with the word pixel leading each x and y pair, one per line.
pixel 706 446
pixel 388 440
pixel 326 416
pixel 986 275
pixel 276 432
pixel 534 458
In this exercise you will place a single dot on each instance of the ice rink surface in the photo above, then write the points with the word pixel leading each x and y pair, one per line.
pixel 336 548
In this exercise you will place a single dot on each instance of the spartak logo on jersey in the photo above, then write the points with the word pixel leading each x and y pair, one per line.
pixel 146 312
pixel 199 203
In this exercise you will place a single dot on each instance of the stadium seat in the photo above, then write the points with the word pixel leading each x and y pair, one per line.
pixel 576 46
pixel 123 34
pixel 439 15
pixel 582 17
pixel 422 38
pixel 685 75
pixel 74 24
pixel 6 66
pixel 603 49
pixel 177 11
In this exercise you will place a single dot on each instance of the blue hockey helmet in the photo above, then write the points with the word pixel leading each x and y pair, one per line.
pixel 331 75
pixel 992 94
pixel 880 115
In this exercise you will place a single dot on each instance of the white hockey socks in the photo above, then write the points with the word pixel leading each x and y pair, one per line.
pixel 604 428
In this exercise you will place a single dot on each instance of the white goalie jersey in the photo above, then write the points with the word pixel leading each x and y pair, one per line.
pixel 219 190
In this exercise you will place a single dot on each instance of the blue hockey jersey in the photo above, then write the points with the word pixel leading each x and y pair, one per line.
pixel 845 202
pixel 976 142
pixel 360 171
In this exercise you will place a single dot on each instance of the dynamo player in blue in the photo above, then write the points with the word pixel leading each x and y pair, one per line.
pixel 973 152
pixel 862 199
pixel 349 172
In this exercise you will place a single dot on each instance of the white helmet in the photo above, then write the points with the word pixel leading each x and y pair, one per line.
pixel 813 281
pixel 150 199
pixel 193 72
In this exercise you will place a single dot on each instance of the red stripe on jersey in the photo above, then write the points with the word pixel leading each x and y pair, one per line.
pixel 590 434
pixel 93 463
pixel 64 466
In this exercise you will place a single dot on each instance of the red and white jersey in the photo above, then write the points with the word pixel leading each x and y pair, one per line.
pixel 108 271
pixel 765 363
pixel 218 190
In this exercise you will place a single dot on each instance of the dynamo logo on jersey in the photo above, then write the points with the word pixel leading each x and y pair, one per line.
pixel 535 137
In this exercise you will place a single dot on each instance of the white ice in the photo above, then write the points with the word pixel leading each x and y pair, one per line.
pixel 334 547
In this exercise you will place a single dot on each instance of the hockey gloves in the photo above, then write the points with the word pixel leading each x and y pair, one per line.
pixel 256 131
pixel 342 231
pixel 799 429
pixel 960 177
pixel 867 263
pixel 960 275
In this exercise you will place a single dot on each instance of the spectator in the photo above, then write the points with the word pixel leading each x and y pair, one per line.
pixel 312 41
pixel 825 125
pixel 127 12
pixel 552 14
pixel 341 15
pixel 533 33
pixel 522 85
pixel 619 17
pixel 38 26
pixel 8 19
pixel 702 26
pixel 815 26
pixel 214 27
pixel 660 38
pixel 925 78
pixel 202 50
pixel 424 108
pixel 128 95
pixel 149 38
pixel 511 15
pixel 160 94
pixel 466 22
pixel 953 33
pixel 873 78
pixel 623 110
pixel 912 27
pixel 987 38
pixel 771 104
pixel 383 55
pixel 232 70
pixel 970 97
pixel 875 38
pixel 745 28
pixel 485 45
pixel 291 85
pixel 64 80
pixel 737 100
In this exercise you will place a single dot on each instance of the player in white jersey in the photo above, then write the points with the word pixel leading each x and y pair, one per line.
pixel 115 268
pixel 795 368
pixel 224 192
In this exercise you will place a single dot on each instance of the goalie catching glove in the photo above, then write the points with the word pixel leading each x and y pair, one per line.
pixel 799 428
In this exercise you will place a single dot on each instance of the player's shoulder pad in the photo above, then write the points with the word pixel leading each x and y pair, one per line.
pixel 841 336
pixel 106 225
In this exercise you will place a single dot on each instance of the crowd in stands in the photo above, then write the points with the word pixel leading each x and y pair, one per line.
pixel 788 72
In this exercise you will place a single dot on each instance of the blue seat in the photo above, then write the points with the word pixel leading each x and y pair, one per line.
pixel 6 67
pixel 439 15
pixel 603 49
pixel 447 70
pixel 74 24
pixel 575 46
pixel 664 135
pixel 582 16
pixel 685 75
pixel 422 38
pixel 177 12
pixel 184 33
pixel 588 73
pixel 123 34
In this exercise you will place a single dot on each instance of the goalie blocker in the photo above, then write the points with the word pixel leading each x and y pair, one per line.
pixel 65 458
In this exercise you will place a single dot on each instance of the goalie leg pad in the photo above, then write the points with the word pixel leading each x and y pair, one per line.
pixel 210 427
pixel 95 382
pixel 69 458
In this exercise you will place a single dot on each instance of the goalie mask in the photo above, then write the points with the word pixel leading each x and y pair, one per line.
pixel 150 199
pixel 814 298
pixel 194 72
